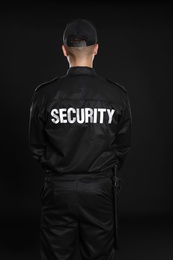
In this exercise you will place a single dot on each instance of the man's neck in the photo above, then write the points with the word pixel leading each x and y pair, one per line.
pixel 83 63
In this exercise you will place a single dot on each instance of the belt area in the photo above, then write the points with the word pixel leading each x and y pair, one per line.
pixel 94 175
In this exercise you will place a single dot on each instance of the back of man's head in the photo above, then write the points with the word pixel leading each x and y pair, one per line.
pixel 80 32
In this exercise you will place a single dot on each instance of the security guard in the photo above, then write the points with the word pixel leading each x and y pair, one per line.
pixel 79 129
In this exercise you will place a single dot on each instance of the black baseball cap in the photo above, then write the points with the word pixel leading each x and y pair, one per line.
pixel 80 32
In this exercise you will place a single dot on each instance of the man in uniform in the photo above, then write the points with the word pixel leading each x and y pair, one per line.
pixel 79 130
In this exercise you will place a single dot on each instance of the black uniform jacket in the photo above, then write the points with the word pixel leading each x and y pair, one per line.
pixel 80 123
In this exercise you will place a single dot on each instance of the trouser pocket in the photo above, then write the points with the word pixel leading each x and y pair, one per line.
pixel 46 193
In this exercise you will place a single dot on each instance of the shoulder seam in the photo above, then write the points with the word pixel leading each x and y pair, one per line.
pixel 45 83
pixel 117 84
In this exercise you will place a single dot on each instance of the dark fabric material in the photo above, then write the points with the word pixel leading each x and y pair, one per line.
pixel 80 122
pixel 77 205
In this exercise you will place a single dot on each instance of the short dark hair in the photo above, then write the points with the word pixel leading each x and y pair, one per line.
pixel 77 42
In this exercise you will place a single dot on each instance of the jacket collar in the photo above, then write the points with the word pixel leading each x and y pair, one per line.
pixel 86 71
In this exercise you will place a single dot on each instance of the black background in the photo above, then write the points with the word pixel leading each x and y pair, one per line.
pixel 135 50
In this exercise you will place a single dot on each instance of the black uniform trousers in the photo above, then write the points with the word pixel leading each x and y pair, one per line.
pixel 77 206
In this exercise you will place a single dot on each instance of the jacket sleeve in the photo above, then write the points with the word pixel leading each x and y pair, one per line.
pixel 37 139
pixel 123 135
